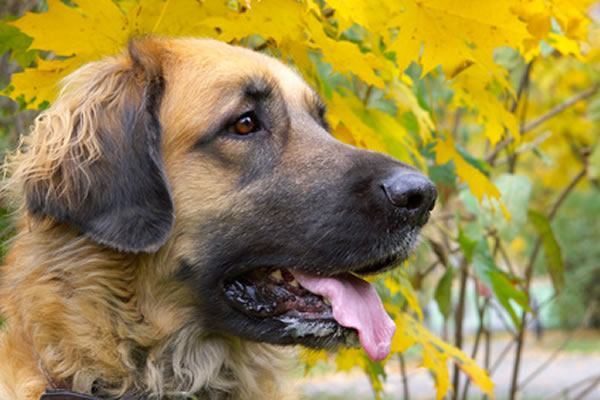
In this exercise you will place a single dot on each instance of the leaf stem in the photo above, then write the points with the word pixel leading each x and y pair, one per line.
pixel 459 317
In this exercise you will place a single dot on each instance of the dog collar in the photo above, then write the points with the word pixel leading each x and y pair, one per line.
pixel 62 394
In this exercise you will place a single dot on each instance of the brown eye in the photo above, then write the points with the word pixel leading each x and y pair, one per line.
pixel 246 124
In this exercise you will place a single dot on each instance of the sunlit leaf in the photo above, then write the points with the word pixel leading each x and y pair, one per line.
pixel 478 183
pixel 435 354
pixel 554 260
pixel 443 293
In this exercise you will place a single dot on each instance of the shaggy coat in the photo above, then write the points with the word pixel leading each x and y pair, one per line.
pixel 89 317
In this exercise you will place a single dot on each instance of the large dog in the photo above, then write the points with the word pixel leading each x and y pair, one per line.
pixel 184 211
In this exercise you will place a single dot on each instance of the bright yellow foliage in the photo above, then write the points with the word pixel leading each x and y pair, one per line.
pixel 479 184
pixel 435 354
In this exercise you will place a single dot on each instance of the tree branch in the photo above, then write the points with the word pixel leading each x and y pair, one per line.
pixel 459 317
pixel 523 83
pixel 557 351
pixel 560 108
pixel 514 387
pixel 491 158
pixel 405 389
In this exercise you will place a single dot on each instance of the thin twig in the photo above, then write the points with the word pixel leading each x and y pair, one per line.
pixel 506 258
pixel 512 156
pixel 587 390
pixel 481 327
pixel 560 108
pixel 459 316
pixel 529 273
pixel 501 316
pixel 491 158
pixel 588 313
pixel 560 394
pixel 502 356
pixel 404 378
pixel 566 192
pixel 456 124
pixel 367 95
pixel 488 354
pixel 429 269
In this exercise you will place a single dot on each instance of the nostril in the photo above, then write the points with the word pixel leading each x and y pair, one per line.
pixel 410 191
pixel 414 201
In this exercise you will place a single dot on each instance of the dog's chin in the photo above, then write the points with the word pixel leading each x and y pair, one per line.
pixel 268 304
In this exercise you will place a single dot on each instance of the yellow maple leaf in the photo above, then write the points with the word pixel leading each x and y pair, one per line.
pixel 448 32
pixel 348 359
pixel 347 124
pixel 471 91
pixel 366 13
pixel 478 183
pixel 68 30
pixel 403 96
pixel 436 362
pixel 435 354
pixel 345 56
pixel 274 19
pixel 174 18
pixel 398 283
pixel 38 85
pixel 97 28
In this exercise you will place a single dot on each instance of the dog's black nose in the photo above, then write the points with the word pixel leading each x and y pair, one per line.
pixel 410 191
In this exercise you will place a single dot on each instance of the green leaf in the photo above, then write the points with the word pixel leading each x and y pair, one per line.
pixel 505 291
pixel 377 376
pixel 515 193
pixel 443 175
pixel 466 242
pixel 16 42
pixel 552 250
pixel 481 165
pixel 499 281
pixel 443 293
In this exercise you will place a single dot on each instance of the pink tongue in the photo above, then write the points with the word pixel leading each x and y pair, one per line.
pixel 355 305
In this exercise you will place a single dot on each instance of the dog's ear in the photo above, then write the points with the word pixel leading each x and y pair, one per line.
pixel 93 159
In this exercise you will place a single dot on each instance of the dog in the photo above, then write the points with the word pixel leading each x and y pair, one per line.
pixel 182 213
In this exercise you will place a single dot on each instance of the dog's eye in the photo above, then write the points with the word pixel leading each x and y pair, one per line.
pixel 246 124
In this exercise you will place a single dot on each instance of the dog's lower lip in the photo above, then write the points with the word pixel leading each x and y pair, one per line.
pixel 272 292
pixel 269 292
pixel 275 295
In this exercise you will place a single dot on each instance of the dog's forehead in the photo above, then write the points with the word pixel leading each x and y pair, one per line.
pixel 223 65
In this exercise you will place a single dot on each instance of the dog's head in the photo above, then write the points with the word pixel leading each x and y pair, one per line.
pixel 225 155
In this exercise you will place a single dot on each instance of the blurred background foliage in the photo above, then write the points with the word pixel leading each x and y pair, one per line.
pixel 499 102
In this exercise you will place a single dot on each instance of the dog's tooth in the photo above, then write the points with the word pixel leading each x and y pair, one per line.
pixel 277 275
pixel 326 301
pixel 294 283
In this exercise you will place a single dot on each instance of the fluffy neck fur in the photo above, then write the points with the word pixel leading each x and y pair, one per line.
pixel 110 323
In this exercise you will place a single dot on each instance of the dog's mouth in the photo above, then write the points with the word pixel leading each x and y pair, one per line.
pixel 342 309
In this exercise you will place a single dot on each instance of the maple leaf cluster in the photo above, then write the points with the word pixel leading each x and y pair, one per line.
pixel 414 78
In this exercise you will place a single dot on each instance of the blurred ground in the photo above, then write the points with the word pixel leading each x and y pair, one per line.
pixel 579 361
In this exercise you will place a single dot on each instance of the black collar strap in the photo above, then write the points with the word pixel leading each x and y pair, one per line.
pixel 61 394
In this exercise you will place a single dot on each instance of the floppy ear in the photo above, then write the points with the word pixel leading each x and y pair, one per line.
pixel 93 159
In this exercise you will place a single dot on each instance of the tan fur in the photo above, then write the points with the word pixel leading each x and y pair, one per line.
pixel 76 311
